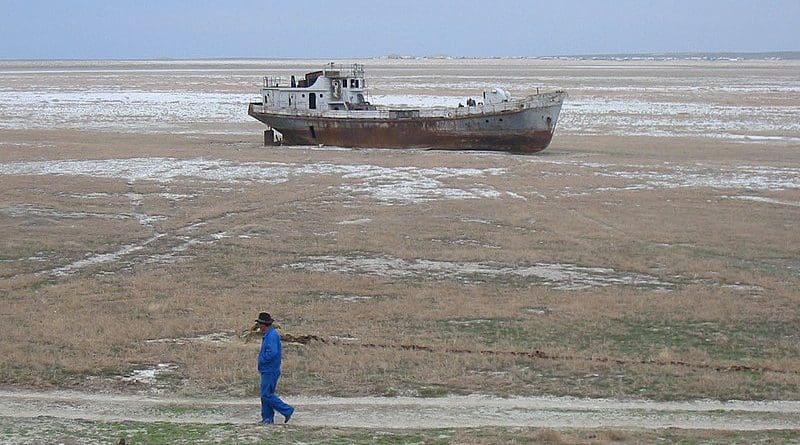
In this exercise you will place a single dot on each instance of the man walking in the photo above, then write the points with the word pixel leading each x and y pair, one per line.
pixel 269 365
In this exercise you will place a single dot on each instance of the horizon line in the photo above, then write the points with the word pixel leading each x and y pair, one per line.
pixel 682 54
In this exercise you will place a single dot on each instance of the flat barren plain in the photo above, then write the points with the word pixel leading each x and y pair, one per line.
pixel 636 281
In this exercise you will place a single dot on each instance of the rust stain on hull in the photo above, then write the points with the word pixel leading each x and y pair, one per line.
pixel 413 135
pixel 483 132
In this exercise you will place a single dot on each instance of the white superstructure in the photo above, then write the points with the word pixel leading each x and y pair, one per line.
pixel 332 88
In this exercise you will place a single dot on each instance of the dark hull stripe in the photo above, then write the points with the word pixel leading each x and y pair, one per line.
pixel 526 131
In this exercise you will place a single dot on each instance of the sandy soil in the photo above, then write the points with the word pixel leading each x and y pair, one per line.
pixel 413 413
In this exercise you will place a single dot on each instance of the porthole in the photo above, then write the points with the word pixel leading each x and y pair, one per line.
pixel 320 94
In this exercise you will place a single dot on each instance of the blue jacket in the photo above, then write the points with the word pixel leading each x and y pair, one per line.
pixel 269 359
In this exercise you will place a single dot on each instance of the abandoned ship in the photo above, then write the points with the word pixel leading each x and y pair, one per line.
pixel 329 107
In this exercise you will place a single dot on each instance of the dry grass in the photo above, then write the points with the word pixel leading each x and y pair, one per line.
pixel 96 322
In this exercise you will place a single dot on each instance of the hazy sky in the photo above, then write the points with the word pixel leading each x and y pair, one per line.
pixel 123 29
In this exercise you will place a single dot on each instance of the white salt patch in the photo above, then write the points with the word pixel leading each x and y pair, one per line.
pixel 413 184
pixel 404 184
pixel 352 298
pixel 469 322
pixel 536 311
pixel 743 287
pixel 195 226
pixel 355 221
pixel 467 242
pixel 177 196
pixel 147 220
pixel 765 200
pixel 132 196
pixel 96 259
pixel 163 258
pixel 755 138
pixel 744 177
pixel 213 338
pixel 479 221
pixel 148 376
pixel 559 276
pixel 343 338
pixel 329 235
pixel 121 110
pixel 35 259
pixel 569 276
pixel 174 254
pixel 19 144
pixel 29 210
pixel 641 117
pixel 491 373
pixel 387 184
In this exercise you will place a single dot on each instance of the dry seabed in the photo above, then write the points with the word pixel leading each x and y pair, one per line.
pixel 413 184
pixel 388 185
pixel 556 275
pixel 648 253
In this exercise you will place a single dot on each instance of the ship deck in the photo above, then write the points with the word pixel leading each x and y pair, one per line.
pixel 398 112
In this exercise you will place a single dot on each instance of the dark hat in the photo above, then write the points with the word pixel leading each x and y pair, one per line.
pixel 264 318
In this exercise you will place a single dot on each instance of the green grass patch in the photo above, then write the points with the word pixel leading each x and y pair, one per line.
pixel 49 430
pixel 752 340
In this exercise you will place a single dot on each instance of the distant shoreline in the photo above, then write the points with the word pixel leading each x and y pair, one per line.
pixel 768 55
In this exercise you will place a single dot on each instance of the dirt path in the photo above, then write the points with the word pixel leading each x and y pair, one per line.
pixel 413 413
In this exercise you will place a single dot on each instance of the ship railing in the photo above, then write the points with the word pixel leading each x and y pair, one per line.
pixel 354 70
pixel 272 81
pixel 390 112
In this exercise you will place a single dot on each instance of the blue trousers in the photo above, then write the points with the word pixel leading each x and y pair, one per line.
pixel 271 402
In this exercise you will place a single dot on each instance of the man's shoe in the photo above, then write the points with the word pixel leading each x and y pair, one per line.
pixel 288 416
pixel 267 422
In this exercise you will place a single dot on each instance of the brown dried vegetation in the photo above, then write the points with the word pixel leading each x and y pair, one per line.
pixel 84 328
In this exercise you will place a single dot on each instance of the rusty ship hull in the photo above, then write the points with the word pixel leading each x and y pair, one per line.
pixel 523 126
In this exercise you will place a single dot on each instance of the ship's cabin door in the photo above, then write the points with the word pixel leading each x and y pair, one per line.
pixel 312 101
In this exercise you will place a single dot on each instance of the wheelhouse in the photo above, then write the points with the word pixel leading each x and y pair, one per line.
pixel 332 88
